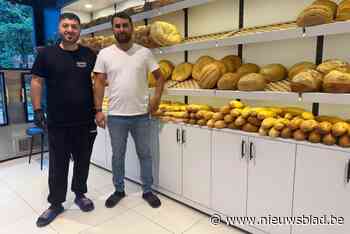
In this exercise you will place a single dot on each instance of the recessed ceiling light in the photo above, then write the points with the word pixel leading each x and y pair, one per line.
pixel 89 6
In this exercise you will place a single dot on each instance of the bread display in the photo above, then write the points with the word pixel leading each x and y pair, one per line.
pixel 142 36
pixel 199 64
pixel 164 34
pixel 182 72
pixel 252 82
pixel 222 66
pixel 228 81
pixel 166 68
pixel 265 121
pixel 300 67
pixel 248 68
pixel 343 12
pixel 273 72
pixel 333 64
pixel 319 12
pixel 210 75
pixel 337 82
pixel 307 81
pixel 232 62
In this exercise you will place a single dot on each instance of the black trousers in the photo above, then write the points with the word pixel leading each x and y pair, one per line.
pixel 65 142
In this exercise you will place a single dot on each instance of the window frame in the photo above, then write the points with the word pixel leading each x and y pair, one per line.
pixel 4 93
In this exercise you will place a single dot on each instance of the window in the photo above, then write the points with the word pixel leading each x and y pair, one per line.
pixel 16 35
pixel 28 106
pixel 3 107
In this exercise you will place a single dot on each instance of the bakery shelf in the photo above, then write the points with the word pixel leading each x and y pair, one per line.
pixel 260 34
pixel 150 14
pixel 259 95
pixel 190 92
pixel 328 29
pixel 249 35
pixel 329 98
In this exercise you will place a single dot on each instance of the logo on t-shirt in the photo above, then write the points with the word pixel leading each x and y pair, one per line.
pixel 81 64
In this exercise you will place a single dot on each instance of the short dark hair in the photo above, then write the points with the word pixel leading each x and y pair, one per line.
pixel 122 15
pixel 70 16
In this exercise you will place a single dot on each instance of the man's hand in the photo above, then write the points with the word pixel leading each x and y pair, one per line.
pixel 40 119
pixel 154 104
pixel 100 119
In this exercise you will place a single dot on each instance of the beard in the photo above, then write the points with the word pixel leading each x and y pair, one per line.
pixel 123 38
pixel 69 39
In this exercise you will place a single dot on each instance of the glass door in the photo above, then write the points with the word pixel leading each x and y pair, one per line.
pixel 28 106
pixel 3 101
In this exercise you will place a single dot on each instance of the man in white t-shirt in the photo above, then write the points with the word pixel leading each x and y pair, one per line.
pixel 125 66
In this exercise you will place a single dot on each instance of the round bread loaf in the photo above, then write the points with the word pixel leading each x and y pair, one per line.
pixel 182 72
pixel 198 66
pixel 228 81
pixel 165 34
pixel 222 67
pixel 252 82
pixel 333 64
pixel 248 68
pixel 299 67
pixel 232 62
pixel 274 72
pixel 336 82
pixel 307 81
pixel 331 4
pixel 209 76
pixel 315 14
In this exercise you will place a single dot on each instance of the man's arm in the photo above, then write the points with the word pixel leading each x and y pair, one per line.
pixel 36 91
pixel 99 90
pixel 155 100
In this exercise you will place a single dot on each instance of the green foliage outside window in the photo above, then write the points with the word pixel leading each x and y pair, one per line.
pixel 16 35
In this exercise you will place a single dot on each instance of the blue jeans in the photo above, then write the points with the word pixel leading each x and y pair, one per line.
pixel 140 129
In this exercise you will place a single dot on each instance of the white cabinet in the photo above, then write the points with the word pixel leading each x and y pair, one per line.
pixel 322 188
pixel 252 177
pixel 270 181
pixel 98 155
pixel 185 161
pixel 170 158
pixel 229 173
pixel 196 164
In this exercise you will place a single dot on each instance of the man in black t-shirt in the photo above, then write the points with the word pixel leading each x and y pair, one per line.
pixel 66 69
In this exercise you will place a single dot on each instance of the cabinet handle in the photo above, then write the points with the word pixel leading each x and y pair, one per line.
pixel 348 174
pixel 242 149
pixel 251 150
pixel 183 136
pixel 178 135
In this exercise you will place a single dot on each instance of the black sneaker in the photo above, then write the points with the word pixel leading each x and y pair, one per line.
pixel 84 203
pixel 49 215
pixel 114 199
pixel 152 199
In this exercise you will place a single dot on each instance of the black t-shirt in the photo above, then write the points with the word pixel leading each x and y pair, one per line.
pixel 69 86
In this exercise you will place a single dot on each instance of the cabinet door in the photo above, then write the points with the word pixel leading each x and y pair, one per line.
pixel 98 155
pixel 229 173
pixel 196 159
pixel 321 188
pixel 270 181
pixel 170 157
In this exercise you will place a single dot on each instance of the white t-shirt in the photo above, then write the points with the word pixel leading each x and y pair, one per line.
pixel 127 78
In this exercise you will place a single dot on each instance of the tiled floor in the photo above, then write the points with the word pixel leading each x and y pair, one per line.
pixel 24 189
